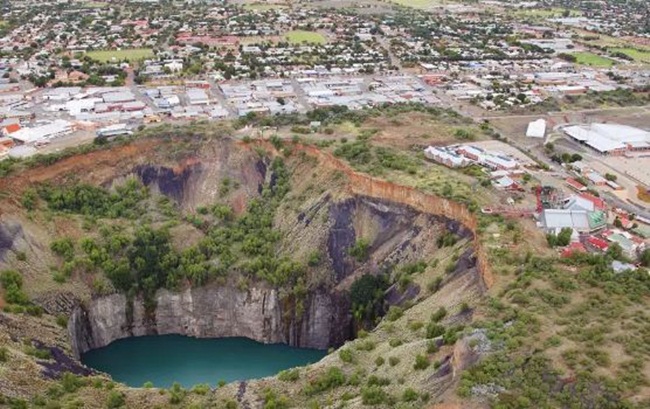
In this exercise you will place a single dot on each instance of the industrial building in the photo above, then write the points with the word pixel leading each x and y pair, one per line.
pixel 610 139
pixel 197 96
pixel 50 130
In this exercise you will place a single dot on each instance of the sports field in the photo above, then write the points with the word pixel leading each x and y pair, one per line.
pixel 301 36
pixel 593 60
pixel 131 55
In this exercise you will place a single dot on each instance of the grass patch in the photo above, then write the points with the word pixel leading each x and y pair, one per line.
pixel 417 4
pixel 263 7
pixel 547 13
pixel 302 36
pixel 133 54
pixel 593 60
pixel 637 55
pixel 94 4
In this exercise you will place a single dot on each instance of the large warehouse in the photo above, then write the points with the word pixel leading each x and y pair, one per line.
pixel 610 139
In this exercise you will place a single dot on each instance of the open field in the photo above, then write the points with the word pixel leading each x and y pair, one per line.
pixel 264 6
pixel 418 4
pixel 259 39
pixel 131 55
pixel 547 13
pixel 593 60
pixel 301 36
pixel 94 4
pixel 637 55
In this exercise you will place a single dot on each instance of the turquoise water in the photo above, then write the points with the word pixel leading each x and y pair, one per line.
pixel 166 359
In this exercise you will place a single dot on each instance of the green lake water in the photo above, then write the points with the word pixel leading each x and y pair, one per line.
pixel 166 359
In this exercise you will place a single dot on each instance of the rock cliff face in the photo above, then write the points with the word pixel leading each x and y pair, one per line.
pixel 212 312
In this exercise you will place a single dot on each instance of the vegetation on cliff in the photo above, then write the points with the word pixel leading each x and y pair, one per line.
pixel 550 333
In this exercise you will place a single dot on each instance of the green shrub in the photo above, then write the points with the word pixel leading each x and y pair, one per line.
pixel 115 400
pixel 440 313
pixel 435 330
pixel 415 325
pixel 289 375
pixel 395 342
pixel 410 395
pixel 63 248
pixel 333 378
pixel 432 347
pixel 421 362
pixel 346 355
pixel 148 385
pixel 393 360
pixel 435 285
pixel 394 313
pixel 12 282
pixel 274 401
pixel 29 199
pixel 62 321
pixel 447 239
pixel 38 352
pixel 201 389
pixel 314 258
pixel 176 393
pixel 379 361
pixel 365 345
pixel 374 395
pixel 70 382
pixel 4 354
pixel 360 249
pixel 376 380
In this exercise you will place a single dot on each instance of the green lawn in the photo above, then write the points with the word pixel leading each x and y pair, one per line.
pixel 638 55
pixel 94 4
pixel 263 7
pixel 593 60
pixel 300 36
pixel 131 55
pixel 547 13
pixel 418 4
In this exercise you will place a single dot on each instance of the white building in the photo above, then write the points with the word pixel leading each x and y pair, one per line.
pixel 610 139
pixel 536 129
pixel 446 157
pixel 51 130
pixel 197 96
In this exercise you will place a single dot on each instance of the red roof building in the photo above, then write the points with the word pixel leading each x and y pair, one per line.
pixel 599 203
pixel 574 184
pixel 11 128
pixel 597 243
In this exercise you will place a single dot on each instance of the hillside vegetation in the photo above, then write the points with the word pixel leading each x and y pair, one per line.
pixel 183 207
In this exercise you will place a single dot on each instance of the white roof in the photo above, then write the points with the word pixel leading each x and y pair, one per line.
pixel 559 218
pixel 579 203
pixel 119 96
pixel 196 94
pixel 608 137
pixel 433 152
pixel 536 129
pixel 28 135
